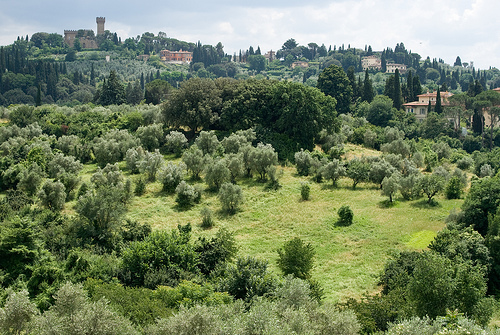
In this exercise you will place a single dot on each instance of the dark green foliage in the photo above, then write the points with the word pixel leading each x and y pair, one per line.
pixel 346 216
pixel 140 187
pixel 462 245
pixel 454 188
pixel 215 252
pixel 380 111
pixel 334 82
pixel 296 258
pixel 305 190
pixel 194 105
pixel 134 231
pixel 482 200
pixel 112 91
pixel 18 249
pixel 162 258
pixel 248 278
pixel 157 91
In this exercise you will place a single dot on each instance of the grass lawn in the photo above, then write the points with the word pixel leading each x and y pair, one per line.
pixel 348 259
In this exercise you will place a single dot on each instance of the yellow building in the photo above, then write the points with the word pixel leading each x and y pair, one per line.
pixel 419 108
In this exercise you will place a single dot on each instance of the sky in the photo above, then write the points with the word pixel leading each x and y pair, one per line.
pixel 436 28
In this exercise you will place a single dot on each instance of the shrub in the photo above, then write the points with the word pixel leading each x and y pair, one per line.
pixel 486 171
pixel 296 258
pixel 333 171
pixel 206 218
pixel 454 188
pixel 140 187
pixel 358 171
pixel 345 216
pixel 305 190
pixel 187 195
pixel 233 143
pixel 230 196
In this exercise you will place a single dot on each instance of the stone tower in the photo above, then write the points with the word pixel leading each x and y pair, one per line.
pixel 100 25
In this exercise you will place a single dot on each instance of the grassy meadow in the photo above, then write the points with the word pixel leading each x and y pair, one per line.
pixel 348 259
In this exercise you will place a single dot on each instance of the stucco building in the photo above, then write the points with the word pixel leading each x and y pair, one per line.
pixel 419 108
pixel 176 56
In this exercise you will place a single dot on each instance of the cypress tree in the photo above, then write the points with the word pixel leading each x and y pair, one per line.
pixel 367 88
pixel 417 88
pixel 92 75
pixel 409 86
pixel 38 101
pixel 438 108
pixel 142 80
pixel 397 90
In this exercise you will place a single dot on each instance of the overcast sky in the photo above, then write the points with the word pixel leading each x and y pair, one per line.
pixel 435 28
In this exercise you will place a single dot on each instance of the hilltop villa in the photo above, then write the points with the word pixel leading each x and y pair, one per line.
pixel 419 108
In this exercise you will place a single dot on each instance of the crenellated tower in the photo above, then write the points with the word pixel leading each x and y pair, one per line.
pixel 100 25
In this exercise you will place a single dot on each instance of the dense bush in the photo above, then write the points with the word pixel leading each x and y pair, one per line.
pixel 346 216
pixel 296 258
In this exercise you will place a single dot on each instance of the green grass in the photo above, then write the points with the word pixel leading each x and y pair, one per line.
pixel 348 259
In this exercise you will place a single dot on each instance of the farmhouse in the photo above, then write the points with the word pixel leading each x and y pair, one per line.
pixel 176 56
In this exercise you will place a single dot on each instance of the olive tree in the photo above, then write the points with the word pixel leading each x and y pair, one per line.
pixel 175 142
pixel 52 195
pixel 262 157
pixel 333 171
pixel 230 196
pixel 194 160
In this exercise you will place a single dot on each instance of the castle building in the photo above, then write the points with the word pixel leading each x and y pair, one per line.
pixel 85 36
